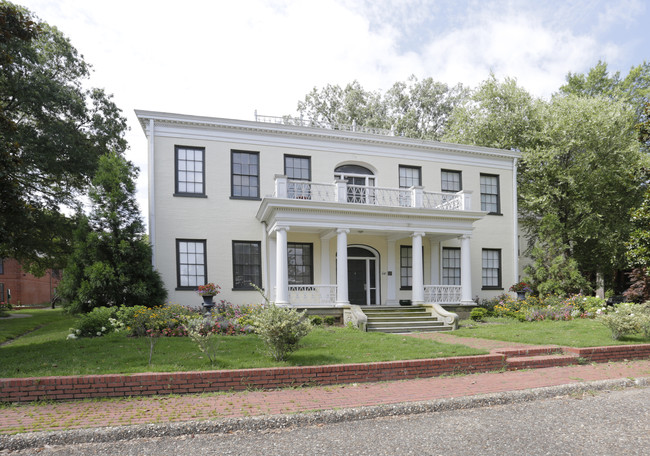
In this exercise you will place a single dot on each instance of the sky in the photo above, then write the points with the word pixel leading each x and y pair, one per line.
pixel 228 58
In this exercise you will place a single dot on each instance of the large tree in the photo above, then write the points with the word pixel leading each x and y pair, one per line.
pixel 413 108
pixel 52 133
pixel 111 262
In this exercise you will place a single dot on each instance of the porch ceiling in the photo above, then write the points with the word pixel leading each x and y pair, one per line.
pixel 321 217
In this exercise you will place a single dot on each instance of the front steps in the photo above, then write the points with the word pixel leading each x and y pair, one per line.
pixel 537 357
pixel 402 319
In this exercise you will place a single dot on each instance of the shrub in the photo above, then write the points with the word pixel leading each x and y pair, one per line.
pixel 316 320
pixel 626 319
pixel 329 320
pixel 167 320
pixel 280 329
pixel 202 331
pixel 478 314
pixel 94 324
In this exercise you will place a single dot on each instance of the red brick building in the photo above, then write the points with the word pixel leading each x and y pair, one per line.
pixel 25 288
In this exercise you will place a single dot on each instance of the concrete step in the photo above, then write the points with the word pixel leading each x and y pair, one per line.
pixel 530 351
pixel 401 318
pixel 533 362
pixel 407 329
pixel 403 324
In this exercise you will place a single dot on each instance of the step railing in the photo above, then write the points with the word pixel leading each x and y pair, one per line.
pixel 448 294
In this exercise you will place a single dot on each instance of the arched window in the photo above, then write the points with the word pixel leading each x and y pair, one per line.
pixel 355 175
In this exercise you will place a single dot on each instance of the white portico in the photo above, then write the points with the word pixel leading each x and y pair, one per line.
pixel 377 219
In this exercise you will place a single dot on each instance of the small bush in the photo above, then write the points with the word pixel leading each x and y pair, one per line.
pixel 329 320
pixel 316 320
pixel 95 323
pixel 627 319
pixel 201 331
pixel 280 329
pixel 478 314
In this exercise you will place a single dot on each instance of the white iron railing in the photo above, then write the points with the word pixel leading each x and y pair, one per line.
pixel 299 121
pixel 379 196
pixel 448 201
pixel 442 293
pixel 311 191
pixel 312 294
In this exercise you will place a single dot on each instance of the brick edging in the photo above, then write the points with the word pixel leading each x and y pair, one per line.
pixel 146 384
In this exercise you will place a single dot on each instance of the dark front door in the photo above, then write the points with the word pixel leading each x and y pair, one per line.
pixel 357 282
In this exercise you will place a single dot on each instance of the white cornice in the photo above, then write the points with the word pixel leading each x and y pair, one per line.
pixel 214 127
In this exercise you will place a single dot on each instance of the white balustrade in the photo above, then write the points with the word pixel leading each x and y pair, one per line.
pixel 372 196
pixel 442 293
pixel 312 294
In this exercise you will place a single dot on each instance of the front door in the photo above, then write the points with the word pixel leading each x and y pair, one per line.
pixel 362 277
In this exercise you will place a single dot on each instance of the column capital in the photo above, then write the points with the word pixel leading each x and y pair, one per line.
pixel 418 233
pixel 281 228
pixel 466 236
pixel 343 230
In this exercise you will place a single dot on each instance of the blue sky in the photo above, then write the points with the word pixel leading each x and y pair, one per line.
pixel 227 58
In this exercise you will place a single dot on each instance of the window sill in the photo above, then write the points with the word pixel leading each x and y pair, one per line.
pixel 186 288
pixel 246 289
pixel 492 288
pixel 495 213
pixel 191 195
pixel 405 288
pixel 250 198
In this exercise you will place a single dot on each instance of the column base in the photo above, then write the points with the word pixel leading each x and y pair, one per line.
pixel 467 303
pixel 282 303
pixel 341 303
pixel 417 303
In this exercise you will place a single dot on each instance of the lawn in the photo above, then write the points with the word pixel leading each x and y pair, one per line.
pixel 45 351
pixel 581 332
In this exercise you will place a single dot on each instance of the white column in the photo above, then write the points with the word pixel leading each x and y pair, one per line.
pixel 281 267
pixel 391 287
pixel 435 263
pixel 515 220
pixel 418 270
pixel 325 261
pixel 465 271
pixel 342 267
pixel 272 268
pixel 281 186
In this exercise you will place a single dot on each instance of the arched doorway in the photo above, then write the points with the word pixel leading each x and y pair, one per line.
pixel 363 275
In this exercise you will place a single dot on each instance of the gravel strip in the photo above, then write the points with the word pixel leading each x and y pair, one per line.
pixel 260 423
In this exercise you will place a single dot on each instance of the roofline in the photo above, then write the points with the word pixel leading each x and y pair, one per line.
pixel 313 132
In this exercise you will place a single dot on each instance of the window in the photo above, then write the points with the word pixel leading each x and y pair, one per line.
pixel 357 177
pixel 301 263
pixel 245 174
pixel 190 171
pixel 490 193
pixel 2 292
pixel 2 266
pixel 406 267
pixel 297 167
pixel 191 270
pixel 450 266
pixel 451 181
pixel 246 264
pixel 491 267
pixel 410 176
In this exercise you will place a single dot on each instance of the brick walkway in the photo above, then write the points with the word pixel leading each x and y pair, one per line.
pixel 115 412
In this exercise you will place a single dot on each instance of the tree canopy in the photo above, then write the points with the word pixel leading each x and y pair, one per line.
pixel 111 262
pixel 52 133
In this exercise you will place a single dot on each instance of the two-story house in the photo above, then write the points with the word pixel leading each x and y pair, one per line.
pixel 327 216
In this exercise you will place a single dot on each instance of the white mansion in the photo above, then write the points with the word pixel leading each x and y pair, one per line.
pixel 327 216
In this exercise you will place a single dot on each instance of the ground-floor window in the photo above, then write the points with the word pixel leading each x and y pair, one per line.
pixel 406 267
pixel 450 266
pixel 491 268
pixel 246 264
pixel 191 270
pixel 301 263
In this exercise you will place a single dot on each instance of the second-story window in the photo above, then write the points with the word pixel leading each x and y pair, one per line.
pixel 451 181
pixel 297 167
pixel 410 176
pixel 190 171
pixel 490 194
pixel 245 174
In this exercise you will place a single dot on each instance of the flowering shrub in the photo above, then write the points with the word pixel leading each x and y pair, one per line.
pixel 95 323
pixel 209 289
pixel 521 287
pixel 202 331
pixel 280 329
pixel 166 320
pixel 549 307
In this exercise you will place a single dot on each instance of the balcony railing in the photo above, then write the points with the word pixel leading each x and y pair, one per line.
pixel 442 293
pixel 311 294
pixel 342 192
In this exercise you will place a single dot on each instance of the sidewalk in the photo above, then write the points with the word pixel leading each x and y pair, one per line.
pixel 215 406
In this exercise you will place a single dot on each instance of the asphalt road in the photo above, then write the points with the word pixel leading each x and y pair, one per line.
pixel 598 423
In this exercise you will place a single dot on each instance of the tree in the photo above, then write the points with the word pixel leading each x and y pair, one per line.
pixel 553 271
pixel 417 109
pixel 111 262
pixel 52 133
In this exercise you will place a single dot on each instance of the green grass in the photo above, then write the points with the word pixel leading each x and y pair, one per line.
pixel 10 328
pixel 46 351
pixel 572 333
